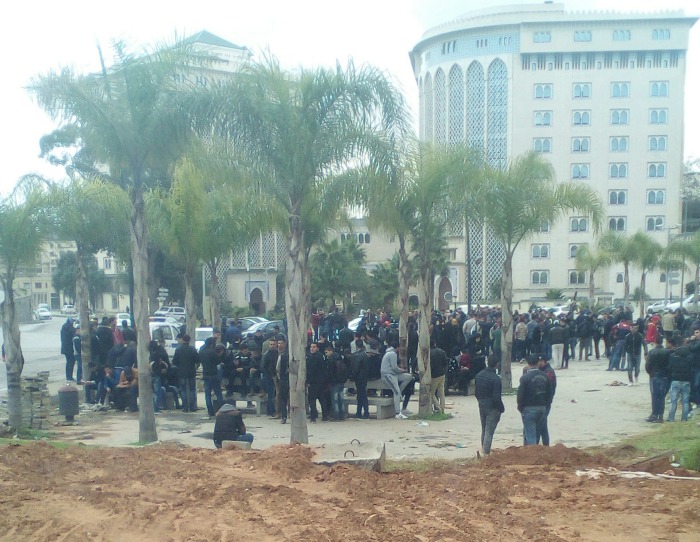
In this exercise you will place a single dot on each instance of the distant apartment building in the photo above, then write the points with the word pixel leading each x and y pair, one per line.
pixel 600 95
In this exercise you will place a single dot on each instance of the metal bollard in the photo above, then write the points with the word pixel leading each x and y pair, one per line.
pixel 68 404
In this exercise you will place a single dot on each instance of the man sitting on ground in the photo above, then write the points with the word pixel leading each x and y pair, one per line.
pixel 229 426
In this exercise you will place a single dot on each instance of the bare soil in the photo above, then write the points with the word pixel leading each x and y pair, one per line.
pixel 172 492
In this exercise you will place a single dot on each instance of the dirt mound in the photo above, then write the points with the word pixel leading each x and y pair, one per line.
pixel 170 492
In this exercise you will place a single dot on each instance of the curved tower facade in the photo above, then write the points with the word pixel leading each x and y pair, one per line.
pixel 599 94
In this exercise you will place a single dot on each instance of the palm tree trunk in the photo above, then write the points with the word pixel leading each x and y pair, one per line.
pixel 643 288
pixel 81 292
pixel 404 283
pixel 190 309
pixel 591 288
pixel 214 298
pixel 13 356
pixel 695 293
pixel 627 284
pixel 139 258
pixel 425 299
pixel 297 301
pixel 507 317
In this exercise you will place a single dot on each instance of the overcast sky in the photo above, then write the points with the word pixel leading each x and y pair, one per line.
pixel 38 36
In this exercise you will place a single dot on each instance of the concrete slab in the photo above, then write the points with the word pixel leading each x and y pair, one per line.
pixel 367 455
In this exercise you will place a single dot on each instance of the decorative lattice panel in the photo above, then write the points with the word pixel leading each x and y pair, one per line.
pixel 428 119
pixel 421 107
pixel 254 254
pixel 475 105
pixel 440 108
pixel 222 269
pixel 455 227
pixel 476 244
pixel 238 260
pixel 497 115
pixel 281 250
pixel 495 256
pixel 268 250
pixel 456 106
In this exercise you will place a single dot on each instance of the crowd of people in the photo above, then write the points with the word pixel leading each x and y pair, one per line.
pixel 463 347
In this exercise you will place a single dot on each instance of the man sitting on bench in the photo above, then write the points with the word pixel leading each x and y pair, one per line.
pixel 229 426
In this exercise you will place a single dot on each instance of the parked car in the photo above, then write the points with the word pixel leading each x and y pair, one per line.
pixel 657 306
pixel 687 304
pixel 167 332
pixel 43 306
pixel 266 327
pixel 201 334
pixel 176 312
pixel 120 316
pixel 42 313
pixel 247 321
pixel 68 309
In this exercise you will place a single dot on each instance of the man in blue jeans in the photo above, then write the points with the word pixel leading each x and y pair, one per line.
pixel 657 368
pixel 680 367
pixel 533 394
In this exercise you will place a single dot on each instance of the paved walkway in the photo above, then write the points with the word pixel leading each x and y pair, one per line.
pixel 587 411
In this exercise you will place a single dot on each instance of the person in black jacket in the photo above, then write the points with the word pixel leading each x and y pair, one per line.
pixel 229 425
pixel 657 367
pixel 360 375
pixel 210 356
pixel 67 334
pixel 186 360
pixel 680 366
pixel 438 368
pixel 318 383
pixel 546 368
pixel 634 344
pixel 268 367
pixel 339 373
pixel 488 391
pixel 533 394
pixel 282 382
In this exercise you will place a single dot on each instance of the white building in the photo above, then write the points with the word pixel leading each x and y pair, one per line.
pixel 601 95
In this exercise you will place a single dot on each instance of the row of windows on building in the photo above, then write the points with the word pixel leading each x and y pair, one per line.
pixel 654 197
pixel 540 277
pixel 615 144
pixel 449 47
pixel 361 238
pixel 617 35
pixel 618 89
pixel 613 60
pixel 615 223
pixel 583 117
pixel 619 170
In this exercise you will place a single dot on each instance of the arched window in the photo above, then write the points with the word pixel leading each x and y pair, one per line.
pixel 360 238
pixel 342 237
pixel 367 239
pixel 620 278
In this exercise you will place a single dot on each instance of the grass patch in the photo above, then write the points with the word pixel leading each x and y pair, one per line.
pixel 35 434
pixel 436 417
pixel 59 444
pixel 681 437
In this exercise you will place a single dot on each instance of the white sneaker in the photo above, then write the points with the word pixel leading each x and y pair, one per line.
pixel 401 416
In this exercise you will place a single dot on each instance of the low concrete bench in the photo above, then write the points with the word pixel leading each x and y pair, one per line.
pixel 384 405
pixel 260 403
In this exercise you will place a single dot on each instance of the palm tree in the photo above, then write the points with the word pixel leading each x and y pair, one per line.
pixel 337 272
pixel 300 131
pixel 130 120
pixel 591 260
pixel 671 262
pixel 621 250
pixel 647 256
pixel 88 212
pixel 433 177
pixel 688 249
pixel 513 203
pixel 24 225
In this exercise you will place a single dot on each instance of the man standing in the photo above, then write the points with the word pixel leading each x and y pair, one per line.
pixel 210 356
pixel 438 368
pixel 67 334
pixel 395 377
pixel 282 382
pixel 317 383
pixel 547 369
pixel 657 367
pixel 186 360
pixel 557 338
pixel 634 344
pixel 680 365
pixel 533 394
pixel 269 362
pixel 359 374
pixel 488 394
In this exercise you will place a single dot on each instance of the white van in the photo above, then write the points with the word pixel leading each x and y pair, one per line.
pixel 167 332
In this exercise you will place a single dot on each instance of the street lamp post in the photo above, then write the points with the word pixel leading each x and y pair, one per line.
pixel 668 242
